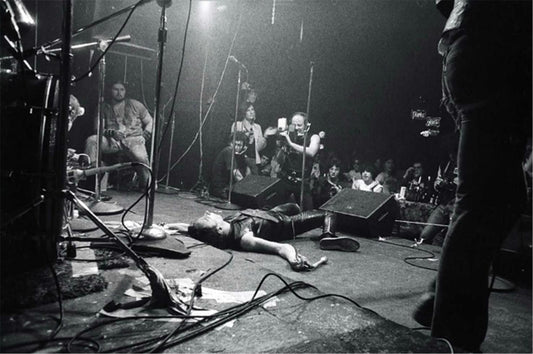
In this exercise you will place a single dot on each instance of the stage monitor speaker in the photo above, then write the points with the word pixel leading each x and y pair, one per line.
pixel 366 214
pixel 257 192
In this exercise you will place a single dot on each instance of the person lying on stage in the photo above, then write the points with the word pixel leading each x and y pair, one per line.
pixel 261 230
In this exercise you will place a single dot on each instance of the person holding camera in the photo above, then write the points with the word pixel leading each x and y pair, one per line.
pixel 295 141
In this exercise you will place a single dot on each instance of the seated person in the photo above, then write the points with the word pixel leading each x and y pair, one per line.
pixel 265 168
pixel 261 230
pixel 330 184
pixel 75 111
pixel 355 172
pixel 367 183
pixel 391 186
pixel 256 141
pixel 388 171
pixel 127 127
pixel 445 185
pixel 221 167
pixel 416 183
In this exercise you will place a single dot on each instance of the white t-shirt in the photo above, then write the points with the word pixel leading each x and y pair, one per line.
pixel 359 184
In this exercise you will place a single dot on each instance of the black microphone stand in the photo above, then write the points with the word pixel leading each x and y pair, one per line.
pixel 306 129
pixel 151 231
pixel 229 205
pixel 162 295
pixel 97 206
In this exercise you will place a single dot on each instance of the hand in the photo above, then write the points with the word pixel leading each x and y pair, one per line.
pixel 285 134
pixel 113 133
pixel 238 175
pixel 438 182
pixel 315 171
pixel 409 172
pixel 70 153
pixel 147 135
pixel 271 131
pixel 118 135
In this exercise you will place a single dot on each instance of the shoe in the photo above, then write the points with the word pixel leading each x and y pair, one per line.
pixel 343 243
pixel 423 313
pixel 321 236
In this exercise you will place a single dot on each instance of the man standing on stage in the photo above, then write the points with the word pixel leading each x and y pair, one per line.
pixel 486 49
pixel 127 127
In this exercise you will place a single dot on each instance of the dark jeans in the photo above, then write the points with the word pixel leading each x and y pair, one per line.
pixel 478 76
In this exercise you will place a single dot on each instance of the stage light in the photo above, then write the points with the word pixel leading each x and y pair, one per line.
pixel 205 11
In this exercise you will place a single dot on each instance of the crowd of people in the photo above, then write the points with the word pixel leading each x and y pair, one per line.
pixel 278 153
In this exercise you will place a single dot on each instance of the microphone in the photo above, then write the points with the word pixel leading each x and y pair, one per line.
pixel 82 174
pixel 164 3
pixel 102 44
pixel 233 59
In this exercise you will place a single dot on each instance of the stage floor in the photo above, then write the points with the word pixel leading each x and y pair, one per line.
pixel 377 277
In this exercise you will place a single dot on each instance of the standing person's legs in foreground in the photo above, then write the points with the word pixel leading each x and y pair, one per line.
pixel 474 74
pixel 438 216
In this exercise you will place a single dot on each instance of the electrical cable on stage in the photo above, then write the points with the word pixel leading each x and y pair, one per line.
pixel 407 259
pixel 143 195
pixel 208 322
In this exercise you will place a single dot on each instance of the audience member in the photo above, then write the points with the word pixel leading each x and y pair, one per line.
pixel 290 159
pixel 220 178
pixel 416 183
pixel 388 171
pixel 445 186
pixel 265 167
pixel 391 186
pixel 256 141
pixel 127 127
pixel 330 184
pixel 355 171
pixel 367 183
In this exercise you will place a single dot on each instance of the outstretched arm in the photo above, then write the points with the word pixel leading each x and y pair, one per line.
pixel 286 251
pixel 180 226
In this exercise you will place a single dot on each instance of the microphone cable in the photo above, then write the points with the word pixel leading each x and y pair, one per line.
pixel 210 105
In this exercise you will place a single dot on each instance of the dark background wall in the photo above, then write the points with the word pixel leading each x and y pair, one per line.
pixel 372 60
